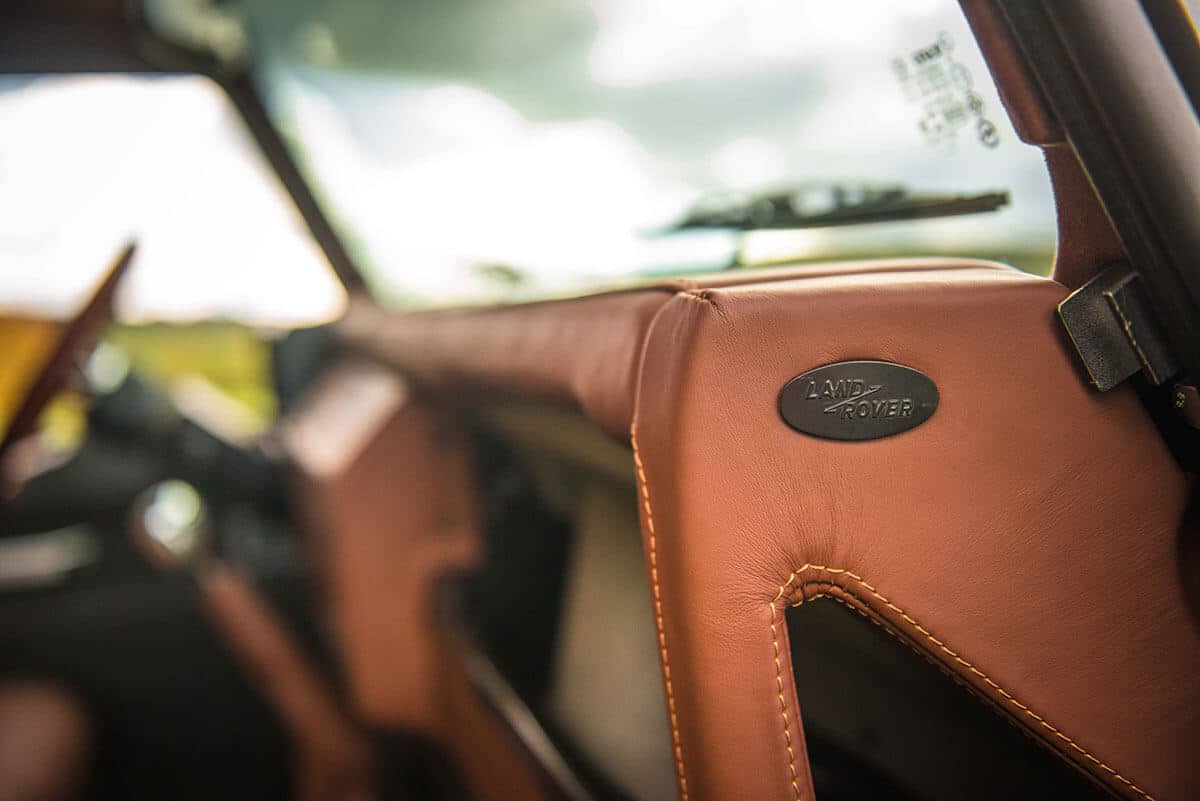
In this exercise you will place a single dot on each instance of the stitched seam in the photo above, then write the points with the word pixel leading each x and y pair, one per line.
pixel 658 615
pixel 941 667
pixel 1008 697
pixel 705 298
pixel 1128 328
pixel 787 724
pixel 925 656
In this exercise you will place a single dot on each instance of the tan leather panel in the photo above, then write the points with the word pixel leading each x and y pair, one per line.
pixel 389 498
pixel 582 351
pixel 386 488
pixel 1025 536
pixel 46 743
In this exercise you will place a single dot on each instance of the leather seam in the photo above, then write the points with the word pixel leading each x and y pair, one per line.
pixel 1006 696
pixel 705 297
pixel 643 485
pixel 835 594
pixel 700 295
pixel 787 724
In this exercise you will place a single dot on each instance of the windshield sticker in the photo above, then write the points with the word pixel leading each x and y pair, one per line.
pixel 942 90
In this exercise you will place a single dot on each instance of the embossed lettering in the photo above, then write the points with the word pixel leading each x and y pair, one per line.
pixel 842 389
pixel 858 400
pixel 853 408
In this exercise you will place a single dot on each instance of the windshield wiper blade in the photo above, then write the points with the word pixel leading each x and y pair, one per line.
pixel 829 205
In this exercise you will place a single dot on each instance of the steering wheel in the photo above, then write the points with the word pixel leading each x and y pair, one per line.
pixel 77 339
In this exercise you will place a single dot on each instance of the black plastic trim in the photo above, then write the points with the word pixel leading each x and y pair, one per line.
pixel 1120 104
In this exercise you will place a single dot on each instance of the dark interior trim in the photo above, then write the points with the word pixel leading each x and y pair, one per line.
pixel 1109 83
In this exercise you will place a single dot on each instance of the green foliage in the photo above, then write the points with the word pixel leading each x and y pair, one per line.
pixel 233 358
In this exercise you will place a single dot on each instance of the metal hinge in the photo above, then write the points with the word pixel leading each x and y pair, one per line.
pixel 1113 328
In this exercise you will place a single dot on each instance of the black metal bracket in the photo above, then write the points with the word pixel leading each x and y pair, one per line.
pixel 1114 330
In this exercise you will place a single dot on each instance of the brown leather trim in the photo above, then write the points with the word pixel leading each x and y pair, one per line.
pixel 1014 483
pixel 831 582
pixel 1086 240
pixel 47 743
pixel 384 484
pixel 582 352
pixel 385 487
pixel 656 595
pixel 1022 97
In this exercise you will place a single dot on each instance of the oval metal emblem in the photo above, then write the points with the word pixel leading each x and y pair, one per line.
pixel 858 400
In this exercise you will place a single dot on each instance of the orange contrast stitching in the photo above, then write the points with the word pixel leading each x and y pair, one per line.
pixel 658 616
pixel 787 725
pixel 941 646
pixel 942 667
pixel 699 295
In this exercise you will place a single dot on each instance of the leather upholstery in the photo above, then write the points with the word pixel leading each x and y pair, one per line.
pixel 1026 537
pixel 1007 537
pixel 1010 537
pixel 549 350
pixel 385 486
pixel 389 508
pixel 583 351
pixel 46 743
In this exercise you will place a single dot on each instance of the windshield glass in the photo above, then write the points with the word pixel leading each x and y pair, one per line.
pixel 478 150
pixel 89 163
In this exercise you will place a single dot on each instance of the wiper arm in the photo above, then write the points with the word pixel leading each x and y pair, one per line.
pixel 824 206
